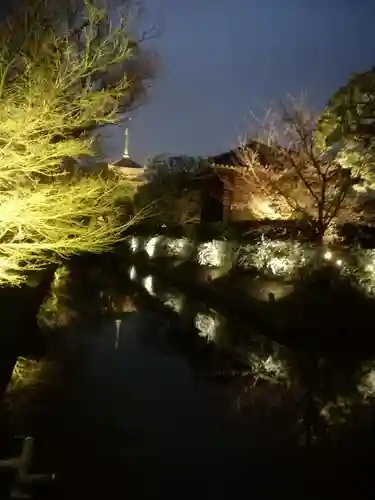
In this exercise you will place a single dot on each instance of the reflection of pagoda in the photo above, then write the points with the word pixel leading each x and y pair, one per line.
pixel 127 167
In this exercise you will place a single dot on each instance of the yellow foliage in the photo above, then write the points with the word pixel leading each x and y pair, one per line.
pixel 47 91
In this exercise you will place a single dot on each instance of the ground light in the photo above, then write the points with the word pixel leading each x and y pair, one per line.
pixel 328 255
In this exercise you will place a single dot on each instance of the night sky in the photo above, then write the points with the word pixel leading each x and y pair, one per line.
pixel 224 58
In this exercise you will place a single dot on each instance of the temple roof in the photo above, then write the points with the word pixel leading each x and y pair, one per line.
pixel 127 163
pixel 266 155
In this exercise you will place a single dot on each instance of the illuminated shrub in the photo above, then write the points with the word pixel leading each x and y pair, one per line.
pixel 179 247
pixel 364 272
pixel 214 253
pixel 277 258
pixel 273 258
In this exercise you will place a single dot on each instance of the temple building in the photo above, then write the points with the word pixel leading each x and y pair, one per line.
pixel 229 188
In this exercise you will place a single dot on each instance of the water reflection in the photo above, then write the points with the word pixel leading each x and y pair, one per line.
pixel 175 301
pixel 206 325
pixel 271 367
pixel 318 393
pixel 148 283
pixel 160 371
pixel 366 385
pixel 208 322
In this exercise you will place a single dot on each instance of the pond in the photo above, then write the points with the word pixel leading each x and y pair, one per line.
pixel 162 394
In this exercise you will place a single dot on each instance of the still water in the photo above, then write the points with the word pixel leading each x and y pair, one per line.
pixel 153 406
pixel 140 406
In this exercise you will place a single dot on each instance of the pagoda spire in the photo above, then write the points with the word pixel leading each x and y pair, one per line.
pixel 126 145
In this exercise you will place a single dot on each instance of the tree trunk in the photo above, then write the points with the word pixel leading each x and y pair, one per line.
pixel 20 334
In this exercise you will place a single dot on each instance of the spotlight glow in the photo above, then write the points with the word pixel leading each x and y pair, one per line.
pixel 148 283
pixel 134 243
pixel 328 255
pixel 132 273
pixel 151 245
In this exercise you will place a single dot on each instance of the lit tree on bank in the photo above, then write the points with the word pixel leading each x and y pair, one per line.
pixel 283 175
pixel 347 125
pixel 64 71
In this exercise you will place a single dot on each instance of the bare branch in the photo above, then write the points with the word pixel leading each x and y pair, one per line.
pixel 281 173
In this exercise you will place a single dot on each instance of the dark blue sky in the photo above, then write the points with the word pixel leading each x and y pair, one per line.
pixel 224 58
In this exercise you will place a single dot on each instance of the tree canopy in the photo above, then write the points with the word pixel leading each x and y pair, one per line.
pixel 57 82
pixel 173 187
pixel 348 125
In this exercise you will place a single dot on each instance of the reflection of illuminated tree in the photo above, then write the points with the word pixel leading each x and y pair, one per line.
pixel 174 301
pixel 317 401
pixel 366 385
pixel 209 325
pixel 206 326
pixel 29 379
pixel 86 289
pixel 28 373
pixel 270 368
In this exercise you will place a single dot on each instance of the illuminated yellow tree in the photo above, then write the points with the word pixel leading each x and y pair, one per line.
pixel 63 73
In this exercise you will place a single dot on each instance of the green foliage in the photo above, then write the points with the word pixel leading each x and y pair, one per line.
pixel 164 164
pixel 348 124
pixel 53 87
pixel 174 184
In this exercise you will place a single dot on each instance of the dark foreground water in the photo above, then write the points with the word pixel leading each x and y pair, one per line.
pixel 134 418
